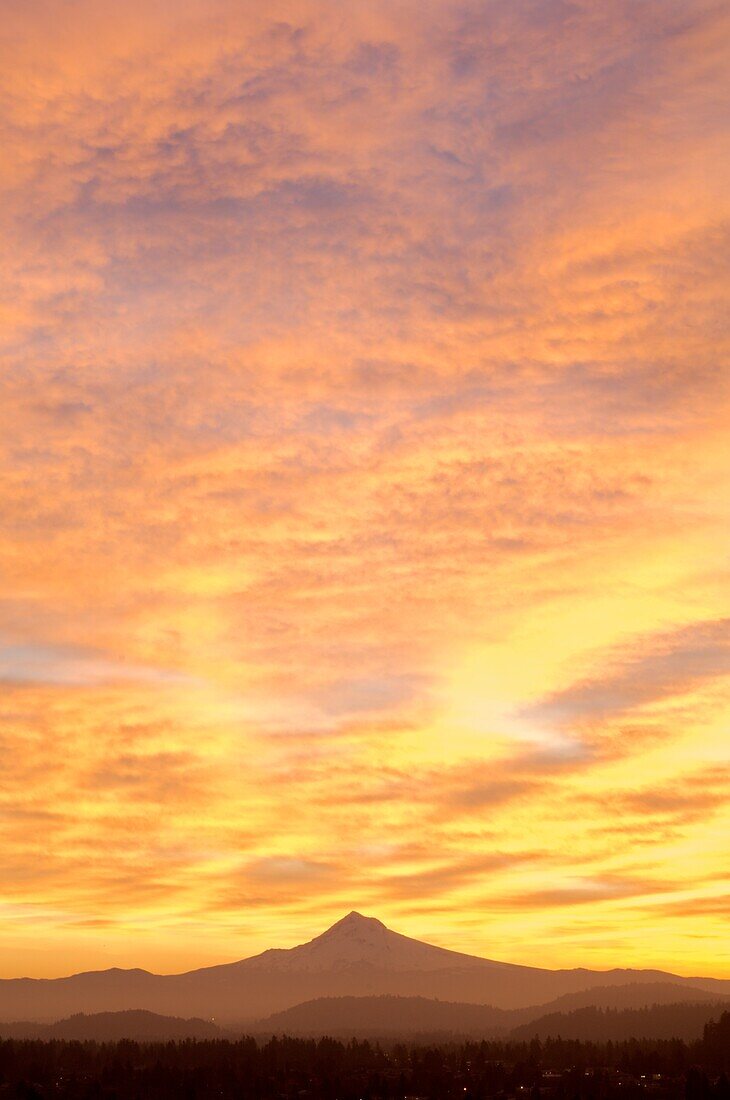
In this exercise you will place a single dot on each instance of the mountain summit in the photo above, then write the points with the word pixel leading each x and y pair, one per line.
pixel 358 941
pixel 354 924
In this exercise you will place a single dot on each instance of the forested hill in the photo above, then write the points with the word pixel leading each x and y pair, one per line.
pixel 682 1021
pixel 106 1027
pixel 374 1017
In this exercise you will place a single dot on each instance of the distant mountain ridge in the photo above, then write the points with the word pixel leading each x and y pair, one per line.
pixel 357 956
pixel 634 995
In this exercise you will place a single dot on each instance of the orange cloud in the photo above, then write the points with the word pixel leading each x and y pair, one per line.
pixel 364 479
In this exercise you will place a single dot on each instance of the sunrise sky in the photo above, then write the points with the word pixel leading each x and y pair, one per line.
pixel 364 485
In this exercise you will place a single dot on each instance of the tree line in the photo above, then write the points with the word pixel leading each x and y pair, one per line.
pixel 328 1069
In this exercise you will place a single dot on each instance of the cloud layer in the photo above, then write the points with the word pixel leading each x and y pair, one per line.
pixel 364 479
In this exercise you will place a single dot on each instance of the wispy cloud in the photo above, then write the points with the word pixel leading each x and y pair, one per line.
pixel 71 666
pixel 363 492
pixel 643 671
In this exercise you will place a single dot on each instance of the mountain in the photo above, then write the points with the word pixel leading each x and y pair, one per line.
pixel 356 940
pixel 108 1027
pixel 357 956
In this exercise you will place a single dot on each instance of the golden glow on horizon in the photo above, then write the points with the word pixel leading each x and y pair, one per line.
pixel 364 480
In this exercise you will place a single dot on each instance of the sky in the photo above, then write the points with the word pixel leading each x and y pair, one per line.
pixel 364 479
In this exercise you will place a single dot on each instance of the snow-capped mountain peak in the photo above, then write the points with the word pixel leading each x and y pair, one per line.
pixel 355 927
pixel 359 941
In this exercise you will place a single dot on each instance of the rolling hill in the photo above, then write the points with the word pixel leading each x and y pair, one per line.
pixel 383 1016
pixel 651 1005
pixel 107 1027
pixel 664 1021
